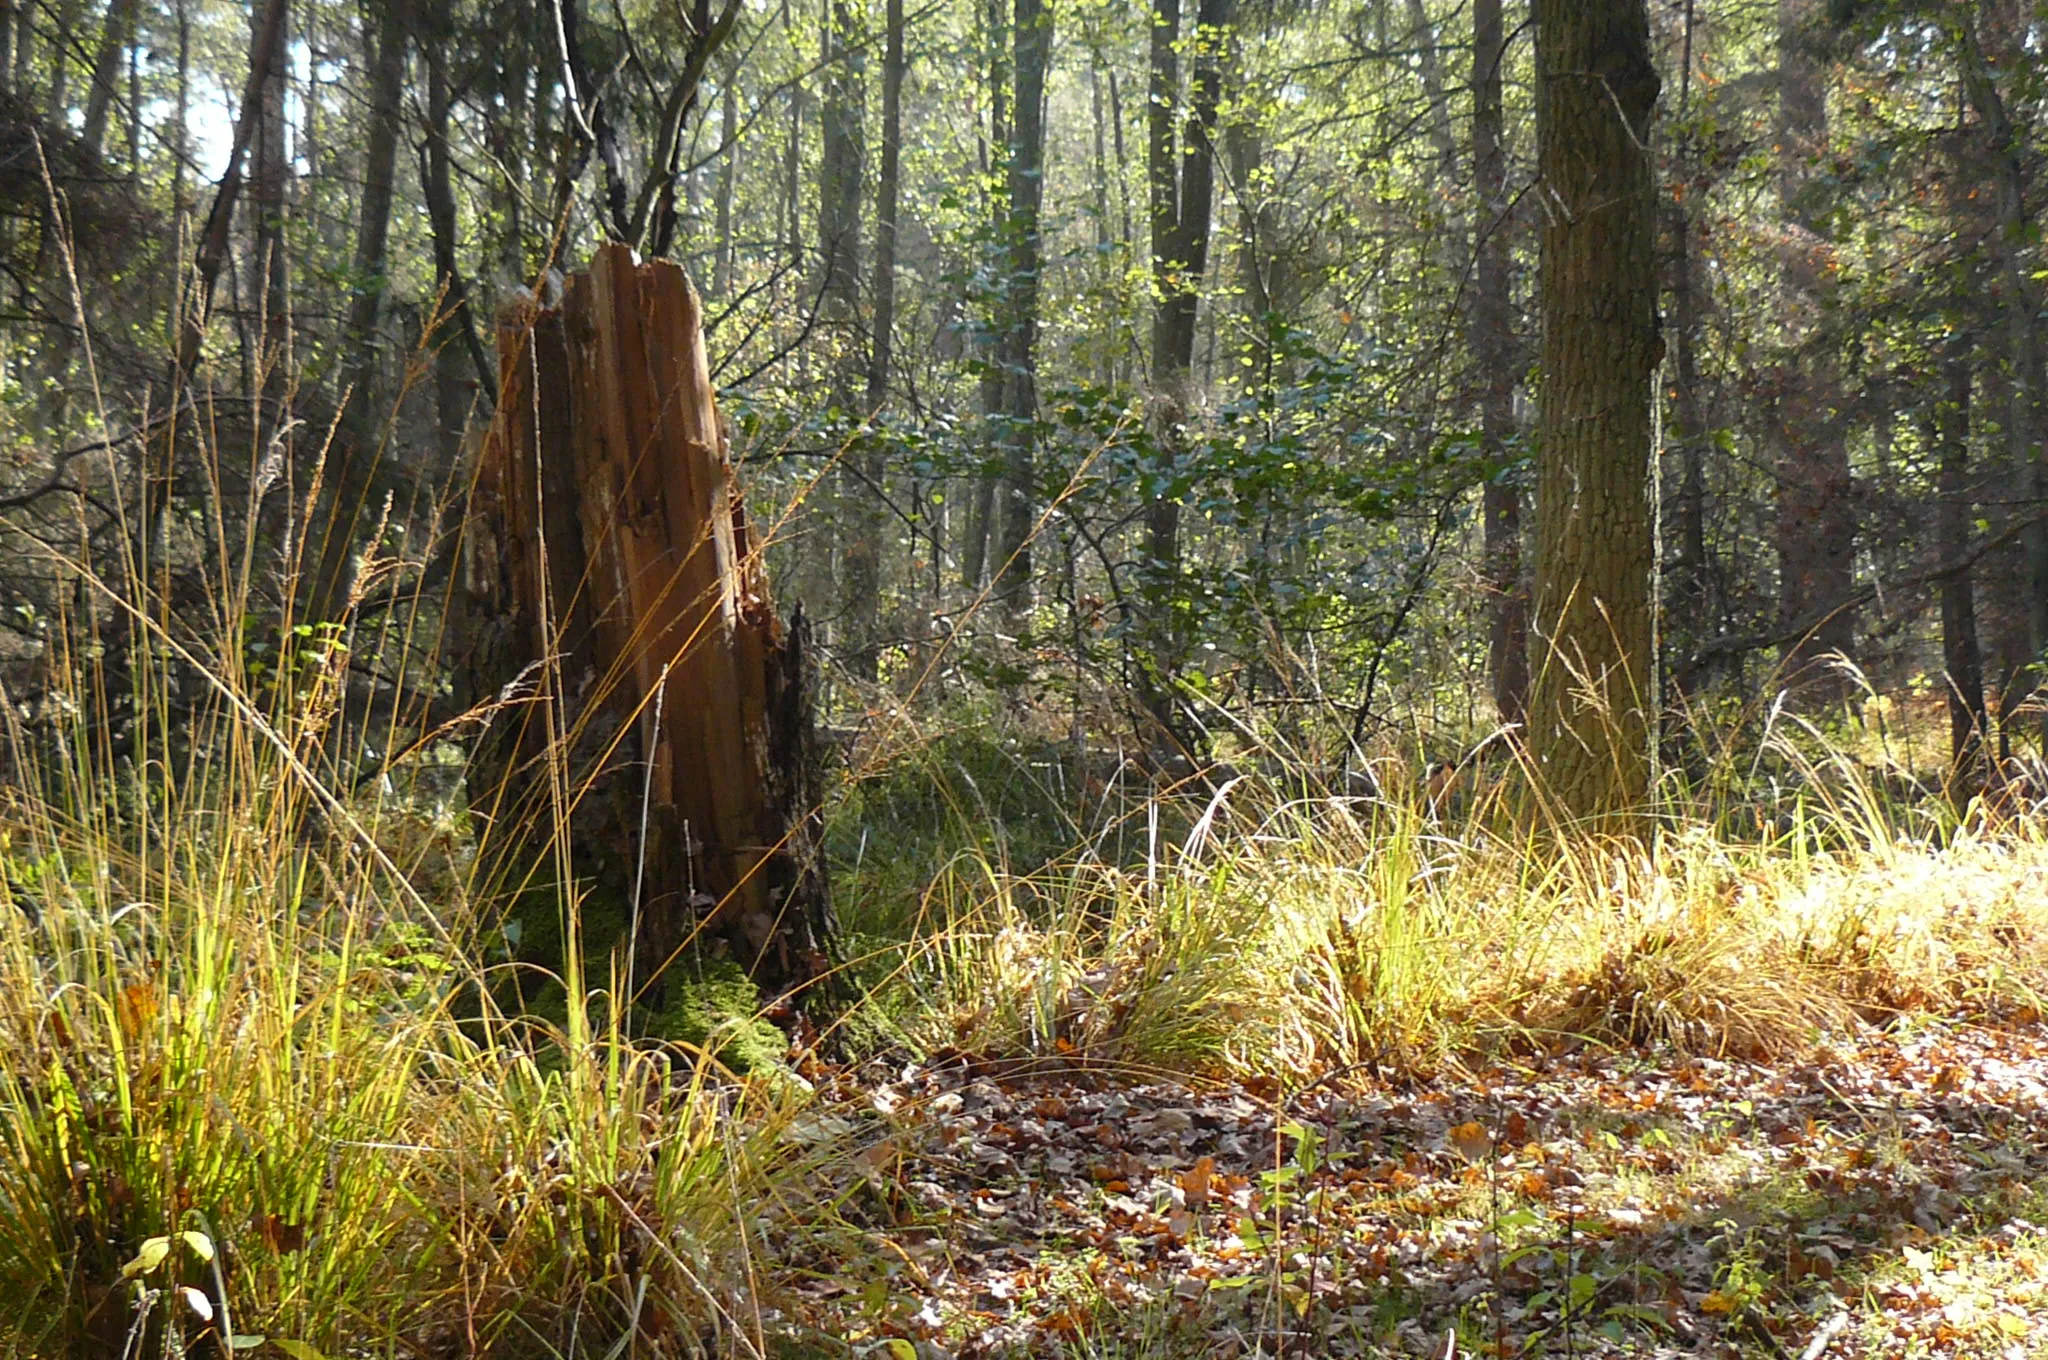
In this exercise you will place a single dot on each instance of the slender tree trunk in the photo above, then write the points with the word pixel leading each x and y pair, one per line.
pixel 373 222
pixel 1032 31
pixel 1180 175
pixel 1691 575
pixel 352 476
pixel 66 14
pixel 984 509
pixel 508 141
pixel 1816 521
pixel 728 180
pixel 1961 659
pixel 1493 348
pixel 1590 700
pixel 1106 266
pixel 23 14
pixel 1256 263
pixel 134 121
pixel 1443 138
pixel 269 181
pixel 861 580
pixel 840 165
pixel 181 118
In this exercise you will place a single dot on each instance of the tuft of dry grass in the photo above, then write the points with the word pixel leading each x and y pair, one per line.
pixel 1293 941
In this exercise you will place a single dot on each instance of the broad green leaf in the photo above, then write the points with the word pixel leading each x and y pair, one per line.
pixel 298 1350
pixel 148 1258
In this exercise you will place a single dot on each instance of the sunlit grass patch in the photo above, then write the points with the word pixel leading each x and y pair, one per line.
pixel 1295 942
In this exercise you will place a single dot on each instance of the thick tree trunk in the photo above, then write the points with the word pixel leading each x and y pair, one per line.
pixel 1816 519
pixel 1032 32
pixel 1961 659
pixel 610 554
pixel 1590 701
pixel 1493 349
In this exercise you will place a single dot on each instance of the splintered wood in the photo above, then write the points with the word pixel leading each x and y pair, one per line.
pixel 609 534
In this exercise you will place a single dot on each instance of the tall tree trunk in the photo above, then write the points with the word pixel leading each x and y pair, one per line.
pixel 1691 574
pixel 1816 520
pixel 66 15
pixel 2020 305
pixel 437 179
pixel 508 140
pixel 1590 699
pixel 1180 178
pixel 1032 33
pixel 728 179
pixel 352 478
pixel 1961 659
pixel 888 190
pixel 373 222
pixel 984 510
pixel 840 164
pixel 106 72
pixel 1493 348
pixel 181 130
pixel 269 184
pixel 1443 138
pixel 861 560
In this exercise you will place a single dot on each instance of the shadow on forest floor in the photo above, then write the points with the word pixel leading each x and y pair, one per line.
pixel 1875 1199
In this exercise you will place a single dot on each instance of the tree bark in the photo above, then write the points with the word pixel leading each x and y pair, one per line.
pixel 373 222
pixel 984 509
pixel 627 601
pixel 1816 520
pixel 841 163
pixel 106 73
pixel 269 182
pixel 2020 306
pixel 1493 348
pixel 1180 180
pixel 1590 700
pixel 1031 30
pixel 728 180
pixel 1961 659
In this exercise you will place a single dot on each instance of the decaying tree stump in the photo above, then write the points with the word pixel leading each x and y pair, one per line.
pixel 628 626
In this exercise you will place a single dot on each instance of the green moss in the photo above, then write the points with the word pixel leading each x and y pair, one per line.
pixel 713 1005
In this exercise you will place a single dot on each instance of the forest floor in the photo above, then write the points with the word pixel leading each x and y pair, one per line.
pixel 1881 1197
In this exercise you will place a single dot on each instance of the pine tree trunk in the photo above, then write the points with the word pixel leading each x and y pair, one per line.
pixel 1031 28
pixel 840 166
pixel 2020 305
pixel 1493 348
pixel 1816 520
pixel 269 180
pixel 984 509
pixel 106 72
pixel 1961 659
pixel 1180 179
pixel 728 179
pixel 373 222
pixel 1590 701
